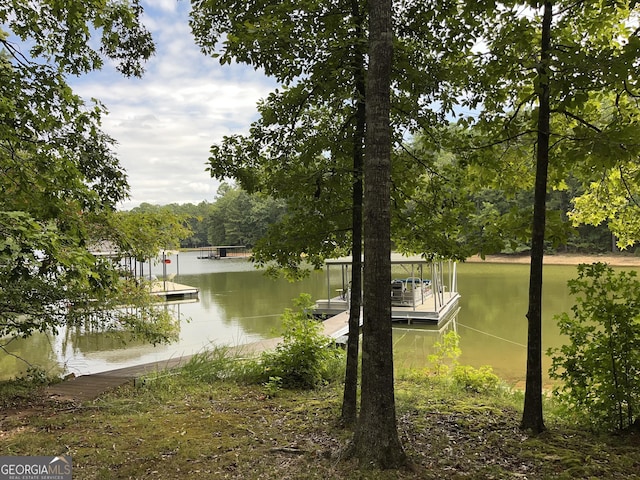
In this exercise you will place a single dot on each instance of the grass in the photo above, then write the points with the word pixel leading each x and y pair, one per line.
pixel 181 426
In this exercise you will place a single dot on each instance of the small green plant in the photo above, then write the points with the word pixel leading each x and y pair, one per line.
pixel 600 366
pixel 305 358
pixel 476 380
pixel 272 386
pixel 446 354
pixel 34 376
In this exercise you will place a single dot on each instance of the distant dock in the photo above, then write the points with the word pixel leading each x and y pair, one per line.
pixel 217 252
pixel 170 290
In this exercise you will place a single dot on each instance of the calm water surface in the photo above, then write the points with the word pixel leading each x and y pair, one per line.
pixel 239 304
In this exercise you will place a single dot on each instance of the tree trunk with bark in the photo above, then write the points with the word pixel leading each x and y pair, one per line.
pixel 376 443
pixel 350 397
pixel 532 417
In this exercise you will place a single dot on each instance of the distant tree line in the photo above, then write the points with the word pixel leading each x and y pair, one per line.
pixel 236 217
pixel 498 209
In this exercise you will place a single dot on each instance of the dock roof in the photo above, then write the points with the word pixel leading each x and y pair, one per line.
pixel 396 259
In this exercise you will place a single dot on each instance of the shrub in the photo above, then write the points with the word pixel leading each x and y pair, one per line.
pixel 600 366
pixel 305 357
pixel 477 380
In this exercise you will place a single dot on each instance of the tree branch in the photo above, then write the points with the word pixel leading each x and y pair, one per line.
pixel 4 349
pixel 422 162
pixel 627 188
pixel 578 119
pixel 16 54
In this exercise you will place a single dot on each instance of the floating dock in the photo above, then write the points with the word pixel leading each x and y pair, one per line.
pixel 171 291
pixel 413 298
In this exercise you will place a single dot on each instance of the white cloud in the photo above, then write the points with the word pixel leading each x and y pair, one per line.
pixel 166 5
pixel 166 122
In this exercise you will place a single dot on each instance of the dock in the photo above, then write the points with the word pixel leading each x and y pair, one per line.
pixel 218 252
pixel 170 290
pixel 414 298
pixel 432 310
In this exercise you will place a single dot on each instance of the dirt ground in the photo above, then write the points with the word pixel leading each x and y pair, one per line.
pixel 619 260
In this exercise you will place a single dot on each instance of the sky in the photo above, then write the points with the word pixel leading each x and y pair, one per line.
pixel 165 122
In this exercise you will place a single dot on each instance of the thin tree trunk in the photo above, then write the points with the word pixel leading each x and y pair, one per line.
pixel 532 417
pixel 349 400
pixel 619 393
pixel 376 442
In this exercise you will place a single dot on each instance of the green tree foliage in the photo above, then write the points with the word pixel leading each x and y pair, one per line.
pixel 600 366
pixel 459 211
pixel 615 200
pixel 443 213
pixel 63 34
pixel 192 216
pixel 59 179
pixel 142 234
pixel 593 57
pixel 545 78
pixel 307 146
pixel 235 217
pixel 302 147
pixel 240 218
pixel 540 108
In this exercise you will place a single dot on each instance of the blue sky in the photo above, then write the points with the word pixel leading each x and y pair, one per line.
pixel 165 122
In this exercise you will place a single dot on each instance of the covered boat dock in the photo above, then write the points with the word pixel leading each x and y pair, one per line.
pixel 421 290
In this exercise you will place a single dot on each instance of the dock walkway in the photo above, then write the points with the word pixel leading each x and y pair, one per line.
pixel 90 387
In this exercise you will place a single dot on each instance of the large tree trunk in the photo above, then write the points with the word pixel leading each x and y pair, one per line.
pixel 350 397
pixel 376 442
pixel 532 418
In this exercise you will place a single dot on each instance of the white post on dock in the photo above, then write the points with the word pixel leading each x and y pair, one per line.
pixel 328 288
pixel 164 271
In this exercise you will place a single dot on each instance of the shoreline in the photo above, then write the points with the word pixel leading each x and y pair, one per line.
pixel 615 260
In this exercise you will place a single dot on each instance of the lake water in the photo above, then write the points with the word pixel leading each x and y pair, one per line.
pixel 238 305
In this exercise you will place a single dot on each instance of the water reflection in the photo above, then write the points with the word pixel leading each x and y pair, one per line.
pixel 239 304
pixel 413 343
pixel 38 350
pixel 492 323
